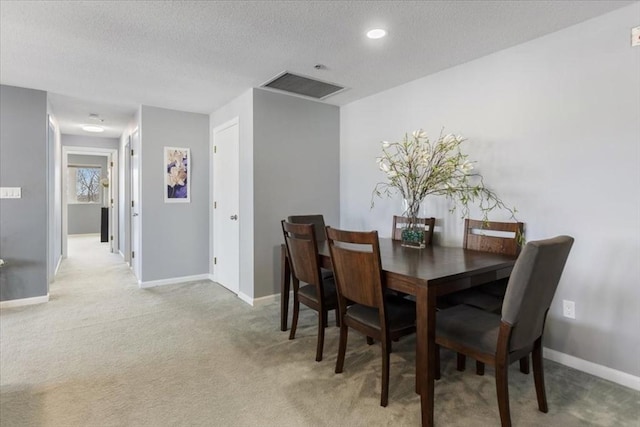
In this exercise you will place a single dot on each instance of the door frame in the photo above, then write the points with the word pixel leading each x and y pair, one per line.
pixel 212 247
pixel 112 156
pixel 135 232
pixel 125 248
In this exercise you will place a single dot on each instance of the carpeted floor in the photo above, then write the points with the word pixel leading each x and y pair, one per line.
pixel 104 353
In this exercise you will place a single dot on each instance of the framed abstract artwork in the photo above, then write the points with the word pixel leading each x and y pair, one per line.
pixel 177 169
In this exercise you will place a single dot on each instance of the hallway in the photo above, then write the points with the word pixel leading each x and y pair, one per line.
pixel 90 270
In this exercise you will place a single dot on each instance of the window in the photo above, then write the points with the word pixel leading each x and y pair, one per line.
pixel 84 184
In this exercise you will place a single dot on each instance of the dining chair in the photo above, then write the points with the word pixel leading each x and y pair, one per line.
pixel 318 225
pixel 316 219
pixel 400 221
pixel 494 237
pixel 319 293
pixel 498 340
pixel 357 269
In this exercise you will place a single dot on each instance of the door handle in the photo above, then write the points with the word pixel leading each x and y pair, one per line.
pixel 234 217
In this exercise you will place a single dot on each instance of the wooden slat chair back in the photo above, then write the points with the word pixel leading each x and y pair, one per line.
pixel 316 219
pixel 399 222
pixel 302 249
pixel 358 270
pixel 492 236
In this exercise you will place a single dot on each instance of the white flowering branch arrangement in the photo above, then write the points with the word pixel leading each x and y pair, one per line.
pixel 417 167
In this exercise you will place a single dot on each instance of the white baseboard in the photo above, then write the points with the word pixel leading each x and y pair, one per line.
pixel 605 372
pixel 55 271
pixel 258 301
pixel 173 281
pixel 246 298
pixel 24 301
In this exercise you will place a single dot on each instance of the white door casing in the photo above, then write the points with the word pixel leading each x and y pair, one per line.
pixel 112 156
pixel 226 230
pixel 126 244
pixel 136 226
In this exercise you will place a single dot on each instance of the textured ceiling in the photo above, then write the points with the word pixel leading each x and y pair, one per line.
pixel 108 57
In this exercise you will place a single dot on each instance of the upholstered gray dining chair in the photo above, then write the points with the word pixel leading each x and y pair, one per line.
pixel 497 339
pixel 495 237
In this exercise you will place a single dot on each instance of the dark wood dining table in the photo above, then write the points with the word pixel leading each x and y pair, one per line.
pixel 425 273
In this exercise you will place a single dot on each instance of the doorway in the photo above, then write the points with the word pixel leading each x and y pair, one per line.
pixel 91 197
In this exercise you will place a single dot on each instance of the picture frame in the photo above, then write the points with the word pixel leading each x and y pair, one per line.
pixel 177 173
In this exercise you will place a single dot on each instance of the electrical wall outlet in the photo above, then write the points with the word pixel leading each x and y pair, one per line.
pixel 568 309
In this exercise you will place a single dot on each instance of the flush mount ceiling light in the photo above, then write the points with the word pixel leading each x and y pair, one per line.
pixel 377 33
pixel 93 128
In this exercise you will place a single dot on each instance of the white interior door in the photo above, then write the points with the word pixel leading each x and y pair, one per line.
pixel 135 204
pixel 226 230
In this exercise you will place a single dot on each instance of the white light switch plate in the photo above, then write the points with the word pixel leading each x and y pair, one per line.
pixel 635 36
pixel 10 192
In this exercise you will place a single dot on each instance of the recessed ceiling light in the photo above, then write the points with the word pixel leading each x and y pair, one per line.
pixel 378 33
pixel 92 128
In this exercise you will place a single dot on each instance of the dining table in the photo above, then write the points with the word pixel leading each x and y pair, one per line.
pixel 426 274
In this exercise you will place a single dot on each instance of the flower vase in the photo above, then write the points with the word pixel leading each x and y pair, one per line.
pixel 413 233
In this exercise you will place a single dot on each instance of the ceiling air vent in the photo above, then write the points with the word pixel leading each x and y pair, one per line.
pixel 301 85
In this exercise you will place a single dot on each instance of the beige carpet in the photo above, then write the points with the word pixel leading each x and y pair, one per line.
pixel 104 353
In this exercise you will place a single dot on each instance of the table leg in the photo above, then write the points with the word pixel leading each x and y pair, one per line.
pixel 425 351
pixel 285 285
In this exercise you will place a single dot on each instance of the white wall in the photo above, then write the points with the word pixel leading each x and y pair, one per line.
pixel 241 107
pixel 554 125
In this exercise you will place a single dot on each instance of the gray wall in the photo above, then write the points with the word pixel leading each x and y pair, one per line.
pixel 23 163
pixel 242 107
pixel 84 218
pixel 554 125
pixel 175 236
pixel 296 171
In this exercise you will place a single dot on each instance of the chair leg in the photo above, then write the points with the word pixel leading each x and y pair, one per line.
pixel 322 324
pixel 524 365
pixel 342 347
pixel 479 368
pixel 325 318
pixel 294 321
pixel 502 388
pixel 437 363
pixel 461 362
pixel 538 376
pixel 337 317
pixel 384 397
